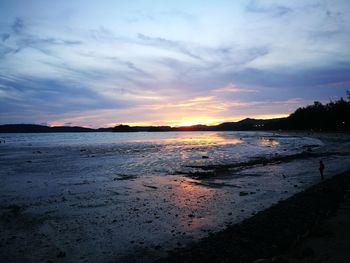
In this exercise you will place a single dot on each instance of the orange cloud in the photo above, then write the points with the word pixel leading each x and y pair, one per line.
pixel 208 110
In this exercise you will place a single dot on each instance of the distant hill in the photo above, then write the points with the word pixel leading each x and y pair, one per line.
pixel 32 128
pixel 247 124
pixel 243 125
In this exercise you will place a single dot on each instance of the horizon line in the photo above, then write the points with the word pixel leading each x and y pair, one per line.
pixel 128 124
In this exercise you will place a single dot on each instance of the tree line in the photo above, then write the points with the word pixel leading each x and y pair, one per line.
pixel 334 116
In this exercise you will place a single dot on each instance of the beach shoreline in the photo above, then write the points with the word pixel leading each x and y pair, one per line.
pixel 274 232
pixel 97 201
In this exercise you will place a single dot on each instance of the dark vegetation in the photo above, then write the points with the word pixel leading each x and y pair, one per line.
pixel 332 116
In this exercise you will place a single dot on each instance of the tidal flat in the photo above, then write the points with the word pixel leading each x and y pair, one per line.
pixel 110 197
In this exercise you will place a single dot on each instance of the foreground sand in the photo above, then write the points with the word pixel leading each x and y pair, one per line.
pixel 307 227
pixel 328 242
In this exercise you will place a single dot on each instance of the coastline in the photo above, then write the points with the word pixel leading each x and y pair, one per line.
pixel 88 209
pixel 271 232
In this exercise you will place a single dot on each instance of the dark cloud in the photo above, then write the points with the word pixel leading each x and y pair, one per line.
pixel 317 83
pixel 4 37
pixel 52 97
pixel 35 41
pixel 283 83
pixel 333 14
pixel 18 25
pixel 24 39
pixel 43 45
pixel 4 50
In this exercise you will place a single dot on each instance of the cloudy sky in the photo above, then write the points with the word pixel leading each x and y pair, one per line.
pixel 100 63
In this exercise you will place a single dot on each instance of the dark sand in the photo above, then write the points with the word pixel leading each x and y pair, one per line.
pixel 307 227
pixel 328 242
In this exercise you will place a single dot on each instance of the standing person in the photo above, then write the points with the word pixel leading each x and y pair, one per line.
pixel 321 169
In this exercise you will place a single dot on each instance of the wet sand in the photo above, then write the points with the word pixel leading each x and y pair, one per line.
pixel 311 226
pixel 69 203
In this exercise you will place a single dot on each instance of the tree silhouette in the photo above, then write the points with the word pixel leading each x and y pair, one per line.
pixel 334 115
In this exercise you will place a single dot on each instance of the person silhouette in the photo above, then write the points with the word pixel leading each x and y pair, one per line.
pixel 321 170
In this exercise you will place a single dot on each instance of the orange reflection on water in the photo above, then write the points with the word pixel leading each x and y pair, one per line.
pixel 212 138
pixel 192 200
pixel 190 195
pixel 205 138
pixel 268 141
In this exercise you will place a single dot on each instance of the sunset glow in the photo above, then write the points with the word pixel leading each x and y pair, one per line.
pixel 176 63
pixel 188 121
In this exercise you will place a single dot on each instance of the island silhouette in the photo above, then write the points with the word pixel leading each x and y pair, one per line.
pixel 332 116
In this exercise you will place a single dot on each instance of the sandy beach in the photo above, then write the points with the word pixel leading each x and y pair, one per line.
pixel 311 226
pixel 72 202
pixel 328 241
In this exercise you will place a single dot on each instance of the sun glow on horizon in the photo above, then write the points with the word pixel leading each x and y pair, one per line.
pixel 195 120
pixel 183 122
pixel 206 120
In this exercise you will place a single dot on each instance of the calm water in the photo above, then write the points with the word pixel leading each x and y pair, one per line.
pixel 167 152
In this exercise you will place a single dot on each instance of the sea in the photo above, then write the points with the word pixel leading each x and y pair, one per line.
pixel 164 153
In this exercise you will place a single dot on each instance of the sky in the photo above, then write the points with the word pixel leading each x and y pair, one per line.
pixel 149 62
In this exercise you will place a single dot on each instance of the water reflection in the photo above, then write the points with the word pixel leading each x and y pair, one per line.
pixel 207 138
pixel 191 200
pixel 264 141
pixel 189 194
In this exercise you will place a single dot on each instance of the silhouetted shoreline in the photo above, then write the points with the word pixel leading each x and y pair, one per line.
pixel 243 125
pixel 333 116
pixel 34 128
